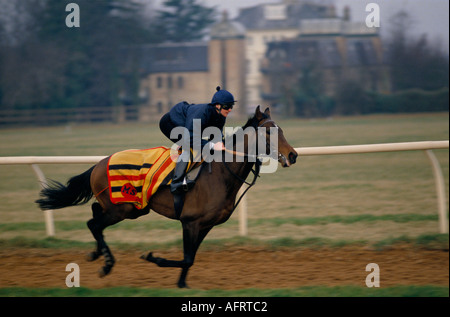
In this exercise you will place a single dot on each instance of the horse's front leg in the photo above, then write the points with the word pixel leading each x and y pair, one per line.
pixel 190 250
pixel 192 237
pixel 190 234
pixel 161 261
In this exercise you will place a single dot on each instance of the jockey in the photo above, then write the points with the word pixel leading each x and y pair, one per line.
pixel 211 114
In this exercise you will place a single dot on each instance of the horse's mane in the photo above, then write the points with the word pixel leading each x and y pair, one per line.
pixel 254 122
pixel 251 122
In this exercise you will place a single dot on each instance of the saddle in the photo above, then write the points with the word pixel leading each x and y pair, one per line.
pixel 135 175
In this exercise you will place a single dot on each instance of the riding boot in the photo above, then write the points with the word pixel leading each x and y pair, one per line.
pixel 178 184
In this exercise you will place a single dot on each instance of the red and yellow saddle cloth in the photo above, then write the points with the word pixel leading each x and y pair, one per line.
pixel 135 175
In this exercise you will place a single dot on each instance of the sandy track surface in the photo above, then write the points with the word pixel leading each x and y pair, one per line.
pixel 231 268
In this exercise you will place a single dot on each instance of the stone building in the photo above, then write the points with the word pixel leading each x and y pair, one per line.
pixel 327 53
pixel 267 23
pixel 265 48
pixel 174 72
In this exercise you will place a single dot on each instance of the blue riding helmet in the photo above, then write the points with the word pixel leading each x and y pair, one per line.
pixel 222 97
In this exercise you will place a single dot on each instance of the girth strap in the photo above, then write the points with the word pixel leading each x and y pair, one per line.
pixel 178 203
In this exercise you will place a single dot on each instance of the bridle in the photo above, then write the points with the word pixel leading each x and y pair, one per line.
pixel 243 154
pixel 255 170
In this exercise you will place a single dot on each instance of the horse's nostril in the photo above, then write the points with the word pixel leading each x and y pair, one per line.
pixel 293 157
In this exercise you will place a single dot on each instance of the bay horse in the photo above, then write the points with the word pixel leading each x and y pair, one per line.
pixel 209 203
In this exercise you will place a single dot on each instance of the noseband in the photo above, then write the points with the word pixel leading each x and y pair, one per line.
pixel 255 171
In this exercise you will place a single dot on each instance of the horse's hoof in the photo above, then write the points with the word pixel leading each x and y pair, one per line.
pixel 104 271
pixel 101 273
pixel 149 257
pixel 92 256
pixel 183 285
pixel 144 256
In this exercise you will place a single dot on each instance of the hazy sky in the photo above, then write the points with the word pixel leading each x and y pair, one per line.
pixel 430 16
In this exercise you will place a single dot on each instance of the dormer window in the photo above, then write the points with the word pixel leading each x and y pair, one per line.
pixel 275 12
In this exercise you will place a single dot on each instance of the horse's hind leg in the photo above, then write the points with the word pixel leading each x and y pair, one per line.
pixel 96 228
pixel 102 219
pixel 96 213
pixel 102 248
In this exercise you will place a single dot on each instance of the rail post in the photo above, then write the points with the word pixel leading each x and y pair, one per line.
pixel 48 214
pixel 242 210
pixel 426 146
pixel 440 191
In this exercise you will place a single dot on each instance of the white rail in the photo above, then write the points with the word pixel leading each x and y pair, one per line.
pixel 372 148
pixel 426 146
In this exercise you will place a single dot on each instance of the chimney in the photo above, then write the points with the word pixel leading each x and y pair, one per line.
pixel 347 13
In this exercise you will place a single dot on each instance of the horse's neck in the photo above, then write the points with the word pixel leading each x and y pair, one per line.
pixel 240 165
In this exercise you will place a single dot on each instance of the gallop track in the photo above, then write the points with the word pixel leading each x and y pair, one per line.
pixel 232 267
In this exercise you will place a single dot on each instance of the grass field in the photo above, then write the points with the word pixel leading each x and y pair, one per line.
pixel 373 199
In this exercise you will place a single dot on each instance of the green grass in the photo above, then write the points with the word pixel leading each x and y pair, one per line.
pixel 370 197
pixel 275 222
pixel 376 200
pixel 428 241
pixel 307 291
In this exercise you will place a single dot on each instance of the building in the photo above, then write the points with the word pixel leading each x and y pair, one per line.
pixel 174 72
pixel 326 54
pixel 266 23
pixel 267 47
pixel 287 38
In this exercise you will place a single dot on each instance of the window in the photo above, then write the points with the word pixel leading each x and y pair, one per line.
pixel 248 66
pixel 159 82
pixel 180 81
pixel 275 12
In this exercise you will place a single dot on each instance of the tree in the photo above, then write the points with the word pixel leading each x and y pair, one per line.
pixel 92 65
pixel 351 98
pixel 414 62
pixel 183 20
pixel 47 64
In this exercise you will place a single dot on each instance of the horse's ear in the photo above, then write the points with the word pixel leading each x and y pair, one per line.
pixel 258 113
pixel 267 112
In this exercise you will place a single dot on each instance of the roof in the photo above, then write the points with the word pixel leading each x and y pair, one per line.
pixel 227 29
pixel 302 52
pixel 174 57
pixel 280 16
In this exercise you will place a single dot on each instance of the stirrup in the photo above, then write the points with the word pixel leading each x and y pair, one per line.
pixel 179 188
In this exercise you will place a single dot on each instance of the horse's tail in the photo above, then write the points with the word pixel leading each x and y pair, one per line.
pixel 77 191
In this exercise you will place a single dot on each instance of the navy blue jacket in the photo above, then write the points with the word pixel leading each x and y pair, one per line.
pixel 183 114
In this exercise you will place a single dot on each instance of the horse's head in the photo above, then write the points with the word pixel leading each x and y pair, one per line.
pixel 286 153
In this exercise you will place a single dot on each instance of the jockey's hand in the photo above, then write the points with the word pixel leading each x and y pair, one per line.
pixel 219 146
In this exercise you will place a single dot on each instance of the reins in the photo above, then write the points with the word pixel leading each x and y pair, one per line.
pixel 255 176
pixel 254 171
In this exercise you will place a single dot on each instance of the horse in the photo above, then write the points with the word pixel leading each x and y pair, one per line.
pixel 209 203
